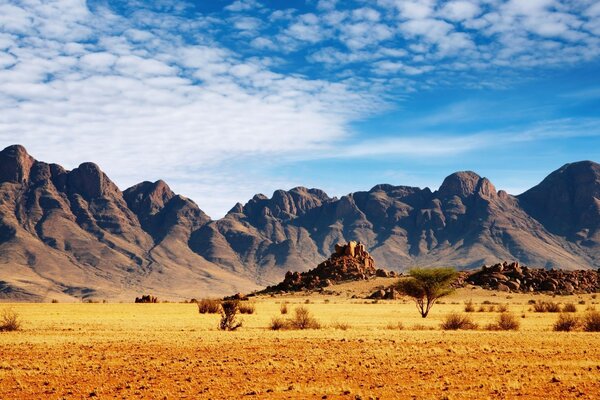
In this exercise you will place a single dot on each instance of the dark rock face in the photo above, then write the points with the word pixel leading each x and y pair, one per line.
pixel 516 278
pixel 350 262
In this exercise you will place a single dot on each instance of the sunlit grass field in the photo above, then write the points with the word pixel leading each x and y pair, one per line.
pixel 171 351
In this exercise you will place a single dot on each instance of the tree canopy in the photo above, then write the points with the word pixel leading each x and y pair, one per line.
pixel 427 285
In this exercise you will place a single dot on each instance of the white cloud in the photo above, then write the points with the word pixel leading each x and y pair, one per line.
pixel 459 10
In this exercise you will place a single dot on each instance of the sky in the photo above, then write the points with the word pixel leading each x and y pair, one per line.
pixel 224 99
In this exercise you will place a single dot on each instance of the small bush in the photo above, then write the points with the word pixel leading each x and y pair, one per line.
pixel 303 320
pixel 552 307
pixel 469 307
pixel 229 310
pixel 531 302
pixel 398 326
pixel 307 301
pixel 546 306
pixel 570 307
pixel 507 322
pixel 481 309
pixel 54 301
pixel 582 302
pixel 491 309
pixel 209 306
pixel 591 321
pixel 455 321
pixel 343 326
pixel 566 323
pixel 9 321
pixel 502 308
pixel 283 308
pixel 539 306
pixel 246 308
pixel 278 323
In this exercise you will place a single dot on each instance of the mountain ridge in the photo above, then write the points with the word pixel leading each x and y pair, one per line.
pixel 75 234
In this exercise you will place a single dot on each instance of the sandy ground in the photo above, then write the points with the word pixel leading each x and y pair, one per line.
pixel 169 351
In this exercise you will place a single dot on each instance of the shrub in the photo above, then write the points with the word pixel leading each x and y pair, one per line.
pixel 481 309
pixel 209 306
pixel 283 308
pixel 491 308
pixel 9 320
pixel 343 326
pixel 469 307
pixel 531 302
pixel 303 320
pixel 502 308
pixel 455 321
pixel 399 326
pixel 566 323
pixel 278 323
pixel 569 307
pixel 582 302
pixel 507 322
pixel 54 301
pixel 539 306
pixel 246 308
pixel 229 310
pixel 591 322
pixel 552 307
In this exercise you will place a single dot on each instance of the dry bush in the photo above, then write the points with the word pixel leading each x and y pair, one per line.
pixel 552 307
pixel 343 326
pixel 469 307
pixel 506 322
pixel 209 306
pixel 229 310
pixel 246 308
pixel 283 308
pixel 481 309
pixel 398 326
pixel 502 308
pixel 54 301
pixel 278 323
pixel 303 319
pixel 591 321
pixel 491 308
pixel 455 321
pixel 566 323
pixel 9 320
pixel 569 307
pixel 546 306
pixel 421 327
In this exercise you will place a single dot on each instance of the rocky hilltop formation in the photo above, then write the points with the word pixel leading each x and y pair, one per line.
pixel 75 234
pixel 517 278
pixel 349 262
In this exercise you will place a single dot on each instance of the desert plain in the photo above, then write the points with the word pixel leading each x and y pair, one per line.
pixel 364 350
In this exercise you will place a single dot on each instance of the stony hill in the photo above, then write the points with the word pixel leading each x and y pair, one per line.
pixel 75 234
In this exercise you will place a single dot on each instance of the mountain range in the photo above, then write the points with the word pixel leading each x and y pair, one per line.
pixel 72 235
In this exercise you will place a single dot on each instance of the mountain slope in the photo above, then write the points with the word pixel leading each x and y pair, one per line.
pixel 67 234
pixel 74 234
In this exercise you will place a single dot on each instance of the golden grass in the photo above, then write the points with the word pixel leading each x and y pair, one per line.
pixel 156 351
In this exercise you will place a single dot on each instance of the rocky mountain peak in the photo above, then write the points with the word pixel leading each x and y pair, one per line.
pixel 148 198
pixel 464 184
pixel 90 182
pixel 15 164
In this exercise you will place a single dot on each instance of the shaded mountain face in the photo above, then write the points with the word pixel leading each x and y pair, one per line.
pixel 75 234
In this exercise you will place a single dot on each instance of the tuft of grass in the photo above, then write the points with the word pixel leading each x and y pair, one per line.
pixel 209 306
pixel 246 308
pixel 397 326
pixel 343 326
pixel 278 324
pixel 546 306
pixel 566 323
pixel 9 320
pixel 506 322
pixel 455 321
pixel 591 321
pixel 569 307
pixel 502 308
pixel 469 307
pixel 283 309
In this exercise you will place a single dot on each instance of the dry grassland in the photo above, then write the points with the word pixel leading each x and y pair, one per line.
pixel 156 351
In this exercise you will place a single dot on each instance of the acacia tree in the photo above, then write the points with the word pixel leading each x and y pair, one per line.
pixel 427 285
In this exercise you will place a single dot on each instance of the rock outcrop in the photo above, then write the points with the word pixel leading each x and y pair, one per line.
pixel 349 262
pixel 513 277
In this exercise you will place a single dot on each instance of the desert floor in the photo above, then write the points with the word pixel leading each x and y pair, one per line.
pixel 170 351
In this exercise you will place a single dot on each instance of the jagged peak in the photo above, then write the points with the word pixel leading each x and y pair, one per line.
pixel 15 164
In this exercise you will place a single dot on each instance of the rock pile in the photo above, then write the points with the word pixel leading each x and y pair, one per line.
pixel 146 299
pixel 516 278
pixel 349 262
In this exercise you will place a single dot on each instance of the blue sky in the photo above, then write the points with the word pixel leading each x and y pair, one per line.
pixel 225 99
